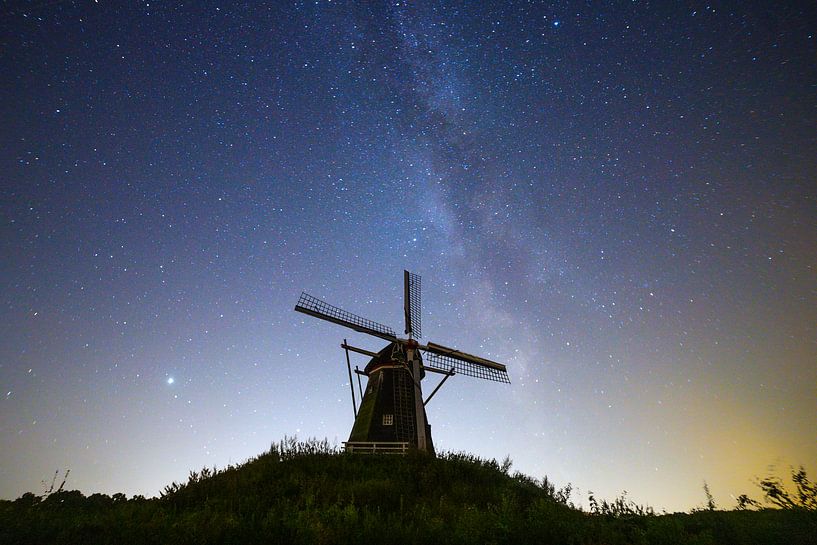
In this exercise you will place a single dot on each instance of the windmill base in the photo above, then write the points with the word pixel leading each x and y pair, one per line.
pixel 388 412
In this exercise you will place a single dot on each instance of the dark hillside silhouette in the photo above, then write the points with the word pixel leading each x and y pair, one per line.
pixel 308 492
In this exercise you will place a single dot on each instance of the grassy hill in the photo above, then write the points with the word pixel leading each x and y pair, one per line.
pixel 308 493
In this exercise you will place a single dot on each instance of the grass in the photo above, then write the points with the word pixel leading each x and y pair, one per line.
pixel 307 492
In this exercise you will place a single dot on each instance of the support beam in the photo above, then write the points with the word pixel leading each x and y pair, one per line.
pixel 440 371
pixel 446 377
pixel 358 350
pixel 351 384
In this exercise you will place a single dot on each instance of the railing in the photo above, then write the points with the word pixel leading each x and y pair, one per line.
pixel 366 447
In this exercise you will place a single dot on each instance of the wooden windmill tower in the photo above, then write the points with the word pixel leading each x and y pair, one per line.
pixel 392 414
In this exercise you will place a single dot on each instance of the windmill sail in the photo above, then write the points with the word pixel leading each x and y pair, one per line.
pixel 412 303
pixel 323 310
pixel 443 358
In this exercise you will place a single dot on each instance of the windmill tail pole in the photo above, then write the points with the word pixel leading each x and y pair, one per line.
pixel 351 384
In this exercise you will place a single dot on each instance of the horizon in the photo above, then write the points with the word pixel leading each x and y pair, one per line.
pixel 574 497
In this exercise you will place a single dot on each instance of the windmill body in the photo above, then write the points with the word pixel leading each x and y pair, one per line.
pixel 388 410
pixel 392 416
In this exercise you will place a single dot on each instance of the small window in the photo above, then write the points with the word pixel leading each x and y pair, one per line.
pixel 388 419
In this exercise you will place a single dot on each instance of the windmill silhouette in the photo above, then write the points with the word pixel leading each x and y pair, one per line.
pixel 392 416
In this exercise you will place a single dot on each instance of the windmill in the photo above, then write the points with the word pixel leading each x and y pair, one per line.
pixel 392 416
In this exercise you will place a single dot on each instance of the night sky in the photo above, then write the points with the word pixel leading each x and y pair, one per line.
pixel 616 201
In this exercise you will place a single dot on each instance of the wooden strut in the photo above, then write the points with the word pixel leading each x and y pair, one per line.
pixel 358 350
pixel 433 370
pixel 447 375
pixel 358 372
pixel 351 384
pixel 347 347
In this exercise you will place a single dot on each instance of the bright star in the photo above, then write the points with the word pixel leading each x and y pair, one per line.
pixel 170 380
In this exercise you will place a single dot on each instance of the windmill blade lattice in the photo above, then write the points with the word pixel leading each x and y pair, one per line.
pixel 412 303
pixel 319 308
pixel 465 364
